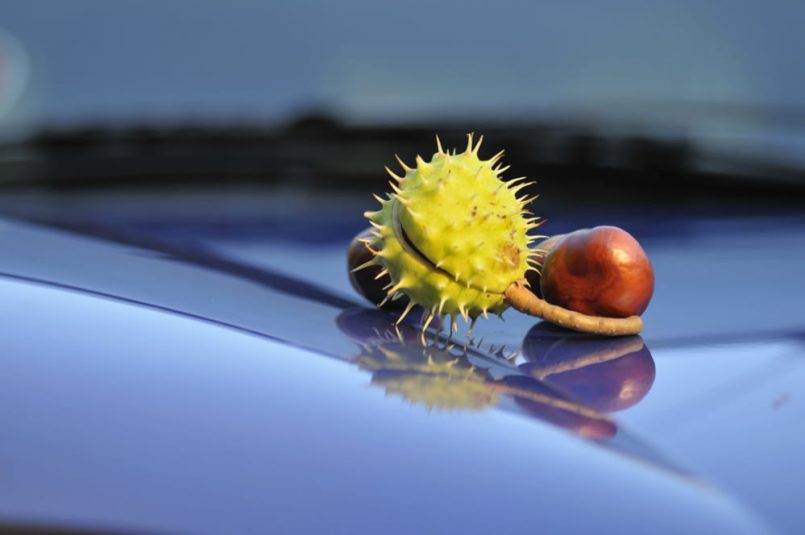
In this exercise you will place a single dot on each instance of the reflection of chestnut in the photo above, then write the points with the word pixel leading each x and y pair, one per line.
pixel 550 405
pixel 366 281
pixel 607 374
pixel 600 272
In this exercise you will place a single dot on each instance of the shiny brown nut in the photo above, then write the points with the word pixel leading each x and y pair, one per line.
pixel 366 281
pixel 601 272
pixel 541 251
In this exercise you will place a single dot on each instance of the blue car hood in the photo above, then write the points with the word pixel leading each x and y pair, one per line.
pixel 159 389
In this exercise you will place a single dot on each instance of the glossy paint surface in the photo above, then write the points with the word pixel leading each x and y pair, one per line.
pixel 244 387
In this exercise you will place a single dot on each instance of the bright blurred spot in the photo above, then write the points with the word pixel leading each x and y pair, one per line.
pixel 13 72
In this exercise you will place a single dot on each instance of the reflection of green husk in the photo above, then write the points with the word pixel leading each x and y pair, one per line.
pixel 445 388
pixel 440 379
pixel 428 375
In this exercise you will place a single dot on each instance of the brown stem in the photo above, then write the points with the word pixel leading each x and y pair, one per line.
pixel 525 301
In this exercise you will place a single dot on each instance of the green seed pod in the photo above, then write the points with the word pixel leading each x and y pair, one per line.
pixel 453 236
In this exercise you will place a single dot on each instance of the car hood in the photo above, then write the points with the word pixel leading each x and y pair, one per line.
pixel 158 388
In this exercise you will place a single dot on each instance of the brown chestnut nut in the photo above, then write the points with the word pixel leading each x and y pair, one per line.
pixel 541 251
pixel 366 281
pixel 600 272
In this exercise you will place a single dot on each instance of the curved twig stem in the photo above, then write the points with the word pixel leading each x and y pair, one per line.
pixel 525 301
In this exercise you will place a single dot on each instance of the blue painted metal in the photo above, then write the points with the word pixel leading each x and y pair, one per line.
pixel 154 388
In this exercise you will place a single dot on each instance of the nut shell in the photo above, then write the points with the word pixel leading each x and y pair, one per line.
pixel 363 280
pixel 540 252
pixel 601 271
pixel 453 235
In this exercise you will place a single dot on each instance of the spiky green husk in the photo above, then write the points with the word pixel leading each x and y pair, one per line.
pixel 453 236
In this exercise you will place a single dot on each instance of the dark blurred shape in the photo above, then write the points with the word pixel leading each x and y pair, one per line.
pixel 583 150
pixel 55 529
pixel 607 374
pixel 369 281
pixel 318 151
pixel 315 121
pixel 660 158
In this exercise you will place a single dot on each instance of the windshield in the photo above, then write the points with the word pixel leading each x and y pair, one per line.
pixel 723 77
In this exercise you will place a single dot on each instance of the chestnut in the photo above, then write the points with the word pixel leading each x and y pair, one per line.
pixel 541 251
pixel 366 281
pixel 599 272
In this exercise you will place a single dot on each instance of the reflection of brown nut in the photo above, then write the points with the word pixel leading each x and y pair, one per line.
pixel 592 428
pixel 550 405
pixel 601 272
pixel 368 281
pixel 603 373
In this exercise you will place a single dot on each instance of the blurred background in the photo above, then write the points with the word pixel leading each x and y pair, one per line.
pixel 321 94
